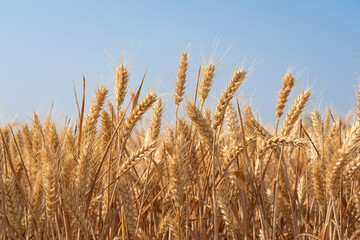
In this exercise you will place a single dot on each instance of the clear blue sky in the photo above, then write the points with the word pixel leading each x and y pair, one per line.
pixel 46 46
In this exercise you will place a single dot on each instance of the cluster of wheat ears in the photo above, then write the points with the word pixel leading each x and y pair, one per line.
pixel 213 174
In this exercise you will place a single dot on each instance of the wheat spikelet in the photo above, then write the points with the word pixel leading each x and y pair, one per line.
pixel 106 129
pixel 155 122
pixel 327 121
pixel 206 83
pixel 94 114
pixel 236 79
pixel 121 81
pixel 19 140
pixel 112 111
pixel 302 190
pixel 341 159
pixel 29 150
pixel 225 207
pixel 11 199
pixel 318 183
pixel 333 136
pixel 52 137
pixel 334 171
pixel 180 84
pixel 232 155
pixel 129 211
pixel 169 140
pixel 280 141
pixel 36 199
pixel 137 113
pixel 37 194
pixel 201 124
pixel 288 83
pixel 318 127
pixel 295 112
pixel 70 159
pixel 86 159
pixel 28 139
pixel 351 141
pixel 178 173
pixel 232 121
pixel 351 168
pixel 184 130
pixel 317 124
pixel 78 216
pixel 50 184
pixel 35 162
pixel 137 156
pixel 50 167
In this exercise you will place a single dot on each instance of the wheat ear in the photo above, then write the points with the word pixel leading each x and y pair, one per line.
pixel 121 81
pixel 232 121
pixel 155 122
pixel 106 129
pixel 341 159
pixel 128 205
pixel 50 176
pixel 236 79
pixel 288 83
pixel 295 112
pixel 318 127
pixel 225 206
pixel 206 83
pixel 136 114
pixel 201 124
pixel 318 183
pixel 181 76
pixel 280 141
pixel 94 114
pixel 83 168
pixel 351 168
pixel 137 156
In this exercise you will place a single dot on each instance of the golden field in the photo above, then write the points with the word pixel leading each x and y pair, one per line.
pixel 213 174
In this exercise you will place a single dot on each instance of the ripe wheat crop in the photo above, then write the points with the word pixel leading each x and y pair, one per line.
pixel 212 174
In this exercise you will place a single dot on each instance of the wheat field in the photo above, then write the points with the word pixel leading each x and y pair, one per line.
pixel 212 174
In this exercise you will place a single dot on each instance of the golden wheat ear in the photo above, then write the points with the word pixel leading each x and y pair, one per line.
pixel 181 80
pixel 201 124
pixel 295 112
pixel 206 83
pixel 94 114
pixel 233 123
pixel 136 114
pixel 155 122
pixel 288 83
pixel 236 79
pixel 341 158
pixel 121 81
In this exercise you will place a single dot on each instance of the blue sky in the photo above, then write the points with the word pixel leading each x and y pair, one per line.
pixel 46 47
